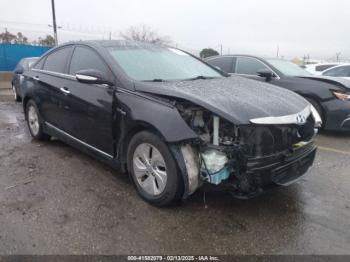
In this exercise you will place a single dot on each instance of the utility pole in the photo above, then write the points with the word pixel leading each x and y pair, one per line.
pixel 54 22
pixel 337 55
pixel 110 35
pixel 220 49
pixel 278 50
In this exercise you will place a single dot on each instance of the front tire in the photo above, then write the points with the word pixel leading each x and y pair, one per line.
pixel 34 121
pixel 153 170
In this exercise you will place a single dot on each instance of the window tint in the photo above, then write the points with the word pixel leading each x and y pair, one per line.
pixel 224 62
pixel 85 58
pixel 248 66
pixel 40 64
pixel 56 61
pixel 323 67
pixel 342 71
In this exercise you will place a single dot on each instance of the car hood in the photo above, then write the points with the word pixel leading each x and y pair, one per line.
pixel 345 83
pixel 234 98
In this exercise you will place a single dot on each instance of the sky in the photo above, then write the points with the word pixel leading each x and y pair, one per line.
pixel 318 28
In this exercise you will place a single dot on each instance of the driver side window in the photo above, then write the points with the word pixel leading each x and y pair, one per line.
pixel 83 58
pixel 249 66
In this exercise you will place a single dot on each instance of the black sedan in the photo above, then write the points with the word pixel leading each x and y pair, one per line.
pixel 170 120
pixel 330 96
pixel 23 65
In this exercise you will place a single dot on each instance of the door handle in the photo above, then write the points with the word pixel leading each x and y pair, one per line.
pixel 65 90
pixel 36 78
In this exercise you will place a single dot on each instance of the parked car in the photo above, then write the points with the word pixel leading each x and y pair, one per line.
pixel 23 64
pixel 318 69
pixel 330 96
pixel 170 120
pixel 342 71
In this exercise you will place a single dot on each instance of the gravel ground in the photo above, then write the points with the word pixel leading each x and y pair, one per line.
pixel 56 200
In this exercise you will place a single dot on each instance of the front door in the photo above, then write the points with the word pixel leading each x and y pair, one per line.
pixel 248 67
pixel 89 106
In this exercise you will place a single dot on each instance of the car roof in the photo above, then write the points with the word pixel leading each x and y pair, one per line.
pixel 112 43
pixel 245 55
pixel 344 64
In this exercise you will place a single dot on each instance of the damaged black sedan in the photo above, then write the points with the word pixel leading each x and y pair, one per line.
pixel 170 120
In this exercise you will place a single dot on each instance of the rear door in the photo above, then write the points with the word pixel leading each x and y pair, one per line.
pixel 89 106
pixel 49 76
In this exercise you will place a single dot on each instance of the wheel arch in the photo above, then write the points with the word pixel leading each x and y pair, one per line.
pixel 24 103
pixel 174 148
pixel 317 101
pixel 125 139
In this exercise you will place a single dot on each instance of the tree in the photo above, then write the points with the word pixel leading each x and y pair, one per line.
pixel 144 33
pixel 21 39
pixel 206 52
pixel 47 41
pixel 7 37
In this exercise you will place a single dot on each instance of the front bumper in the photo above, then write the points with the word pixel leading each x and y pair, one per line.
pixel 265 173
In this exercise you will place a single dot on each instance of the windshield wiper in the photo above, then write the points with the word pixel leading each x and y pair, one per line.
pixel 199 77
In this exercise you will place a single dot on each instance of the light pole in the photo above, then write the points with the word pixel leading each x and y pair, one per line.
pixel 54 22
pixel 337 55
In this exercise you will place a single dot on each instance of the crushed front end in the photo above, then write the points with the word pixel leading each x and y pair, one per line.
pixel 248 159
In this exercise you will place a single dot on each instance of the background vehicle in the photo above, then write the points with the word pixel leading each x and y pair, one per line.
pixel 330 96
pixel 318 69
pixel 169 119
pixel 23 65
pixel 342 71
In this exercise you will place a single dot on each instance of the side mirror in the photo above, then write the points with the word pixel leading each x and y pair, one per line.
pixel 19 70
pixel 92 76
pixel 267 74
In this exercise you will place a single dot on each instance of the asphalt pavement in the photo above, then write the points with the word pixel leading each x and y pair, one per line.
pixel 56 200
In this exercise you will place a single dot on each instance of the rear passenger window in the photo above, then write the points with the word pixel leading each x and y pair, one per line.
pixel 321 68
pixel 342 71
pixel 84 58
pixel 57 61
pixel 224 63
pixel 249 66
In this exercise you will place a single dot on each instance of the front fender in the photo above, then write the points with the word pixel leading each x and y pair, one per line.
pixel 163 117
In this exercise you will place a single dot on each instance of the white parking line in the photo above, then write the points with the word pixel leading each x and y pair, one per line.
pixel 333 150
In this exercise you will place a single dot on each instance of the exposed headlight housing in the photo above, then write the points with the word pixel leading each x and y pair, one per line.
pixel 341 96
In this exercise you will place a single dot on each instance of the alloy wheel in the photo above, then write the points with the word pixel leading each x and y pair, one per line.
pixel 149 169
pixel 33 120
pixel 14 92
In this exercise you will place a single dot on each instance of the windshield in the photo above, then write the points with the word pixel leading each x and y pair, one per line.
pixel 153 63
pixel 288 68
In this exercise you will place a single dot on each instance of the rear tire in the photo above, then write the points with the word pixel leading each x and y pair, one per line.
pixel 34 121
pixel 16 96
pixel 154 170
